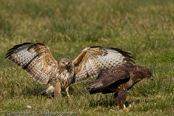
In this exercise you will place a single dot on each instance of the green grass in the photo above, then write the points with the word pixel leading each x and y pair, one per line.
pixel 144 28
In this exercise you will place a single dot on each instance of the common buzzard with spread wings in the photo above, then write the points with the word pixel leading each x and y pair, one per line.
pixel 118 80
pixel 38 62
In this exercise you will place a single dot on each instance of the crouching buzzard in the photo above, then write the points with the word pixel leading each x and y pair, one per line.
pixel 118 80
pixel 38 62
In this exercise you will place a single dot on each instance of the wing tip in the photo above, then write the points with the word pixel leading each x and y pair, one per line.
pixel 91 87
pixel 128 56
pixel 11 51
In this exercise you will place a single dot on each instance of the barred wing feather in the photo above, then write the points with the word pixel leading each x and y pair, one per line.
pixel 35 59
pixel 92 60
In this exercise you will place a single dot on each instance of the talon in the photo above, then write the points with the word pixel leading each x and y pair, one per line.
pixel 124 107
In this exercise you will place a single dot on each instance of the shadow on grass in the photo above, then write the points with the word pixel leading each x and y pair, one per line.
pixel 103 103
pixel 40 91
pixel 109 103
pixel 35 91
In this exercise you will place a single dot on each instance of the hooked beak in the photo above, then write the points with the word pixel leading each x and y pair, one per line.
pixel 67 64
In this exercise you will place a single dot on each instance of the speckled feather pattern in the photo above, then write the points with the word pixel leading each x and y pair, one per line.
pixel 95 63
pixel 38 62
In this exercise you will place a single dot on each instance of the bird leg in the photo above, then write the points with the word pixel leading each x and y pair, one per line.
pixel 120 98
pixel 116 100
pixel 57 90
pixel 67 91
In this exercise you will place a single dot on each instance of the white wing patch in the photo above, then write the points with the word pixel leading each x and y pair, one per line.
pixel 22 57
pixel 91 67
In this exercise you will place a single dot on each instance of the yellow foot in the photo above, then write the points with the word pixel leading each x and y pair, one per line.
pixel 125 109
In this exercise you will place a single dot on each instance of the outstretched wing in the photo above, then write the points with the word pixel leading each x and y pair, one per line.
pixel 35 59
pixel 107 78
pixel 92 60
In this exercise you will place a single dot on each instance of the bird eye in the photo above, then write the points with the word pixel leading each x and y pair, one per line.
pixel 63 62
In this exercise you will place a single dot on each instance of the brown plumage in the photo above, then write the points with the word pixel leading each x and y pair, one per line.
pixel 118 80
pixel 38 62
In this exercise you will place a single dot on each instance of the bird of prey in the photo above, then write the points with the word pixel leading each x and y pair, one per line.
pixel 37 60
pixel 118 80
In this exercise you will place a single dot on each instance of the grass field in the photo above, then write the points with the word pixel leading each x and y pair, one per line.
pixel 144 28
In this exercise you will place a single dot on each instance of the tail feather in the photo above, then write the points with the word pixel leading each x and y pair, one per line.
pixel 48 91
pixel 94 86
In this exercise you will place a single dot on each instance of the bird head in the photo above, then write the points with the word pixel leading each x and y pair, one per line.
pixel 65 62
pixel 147 73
